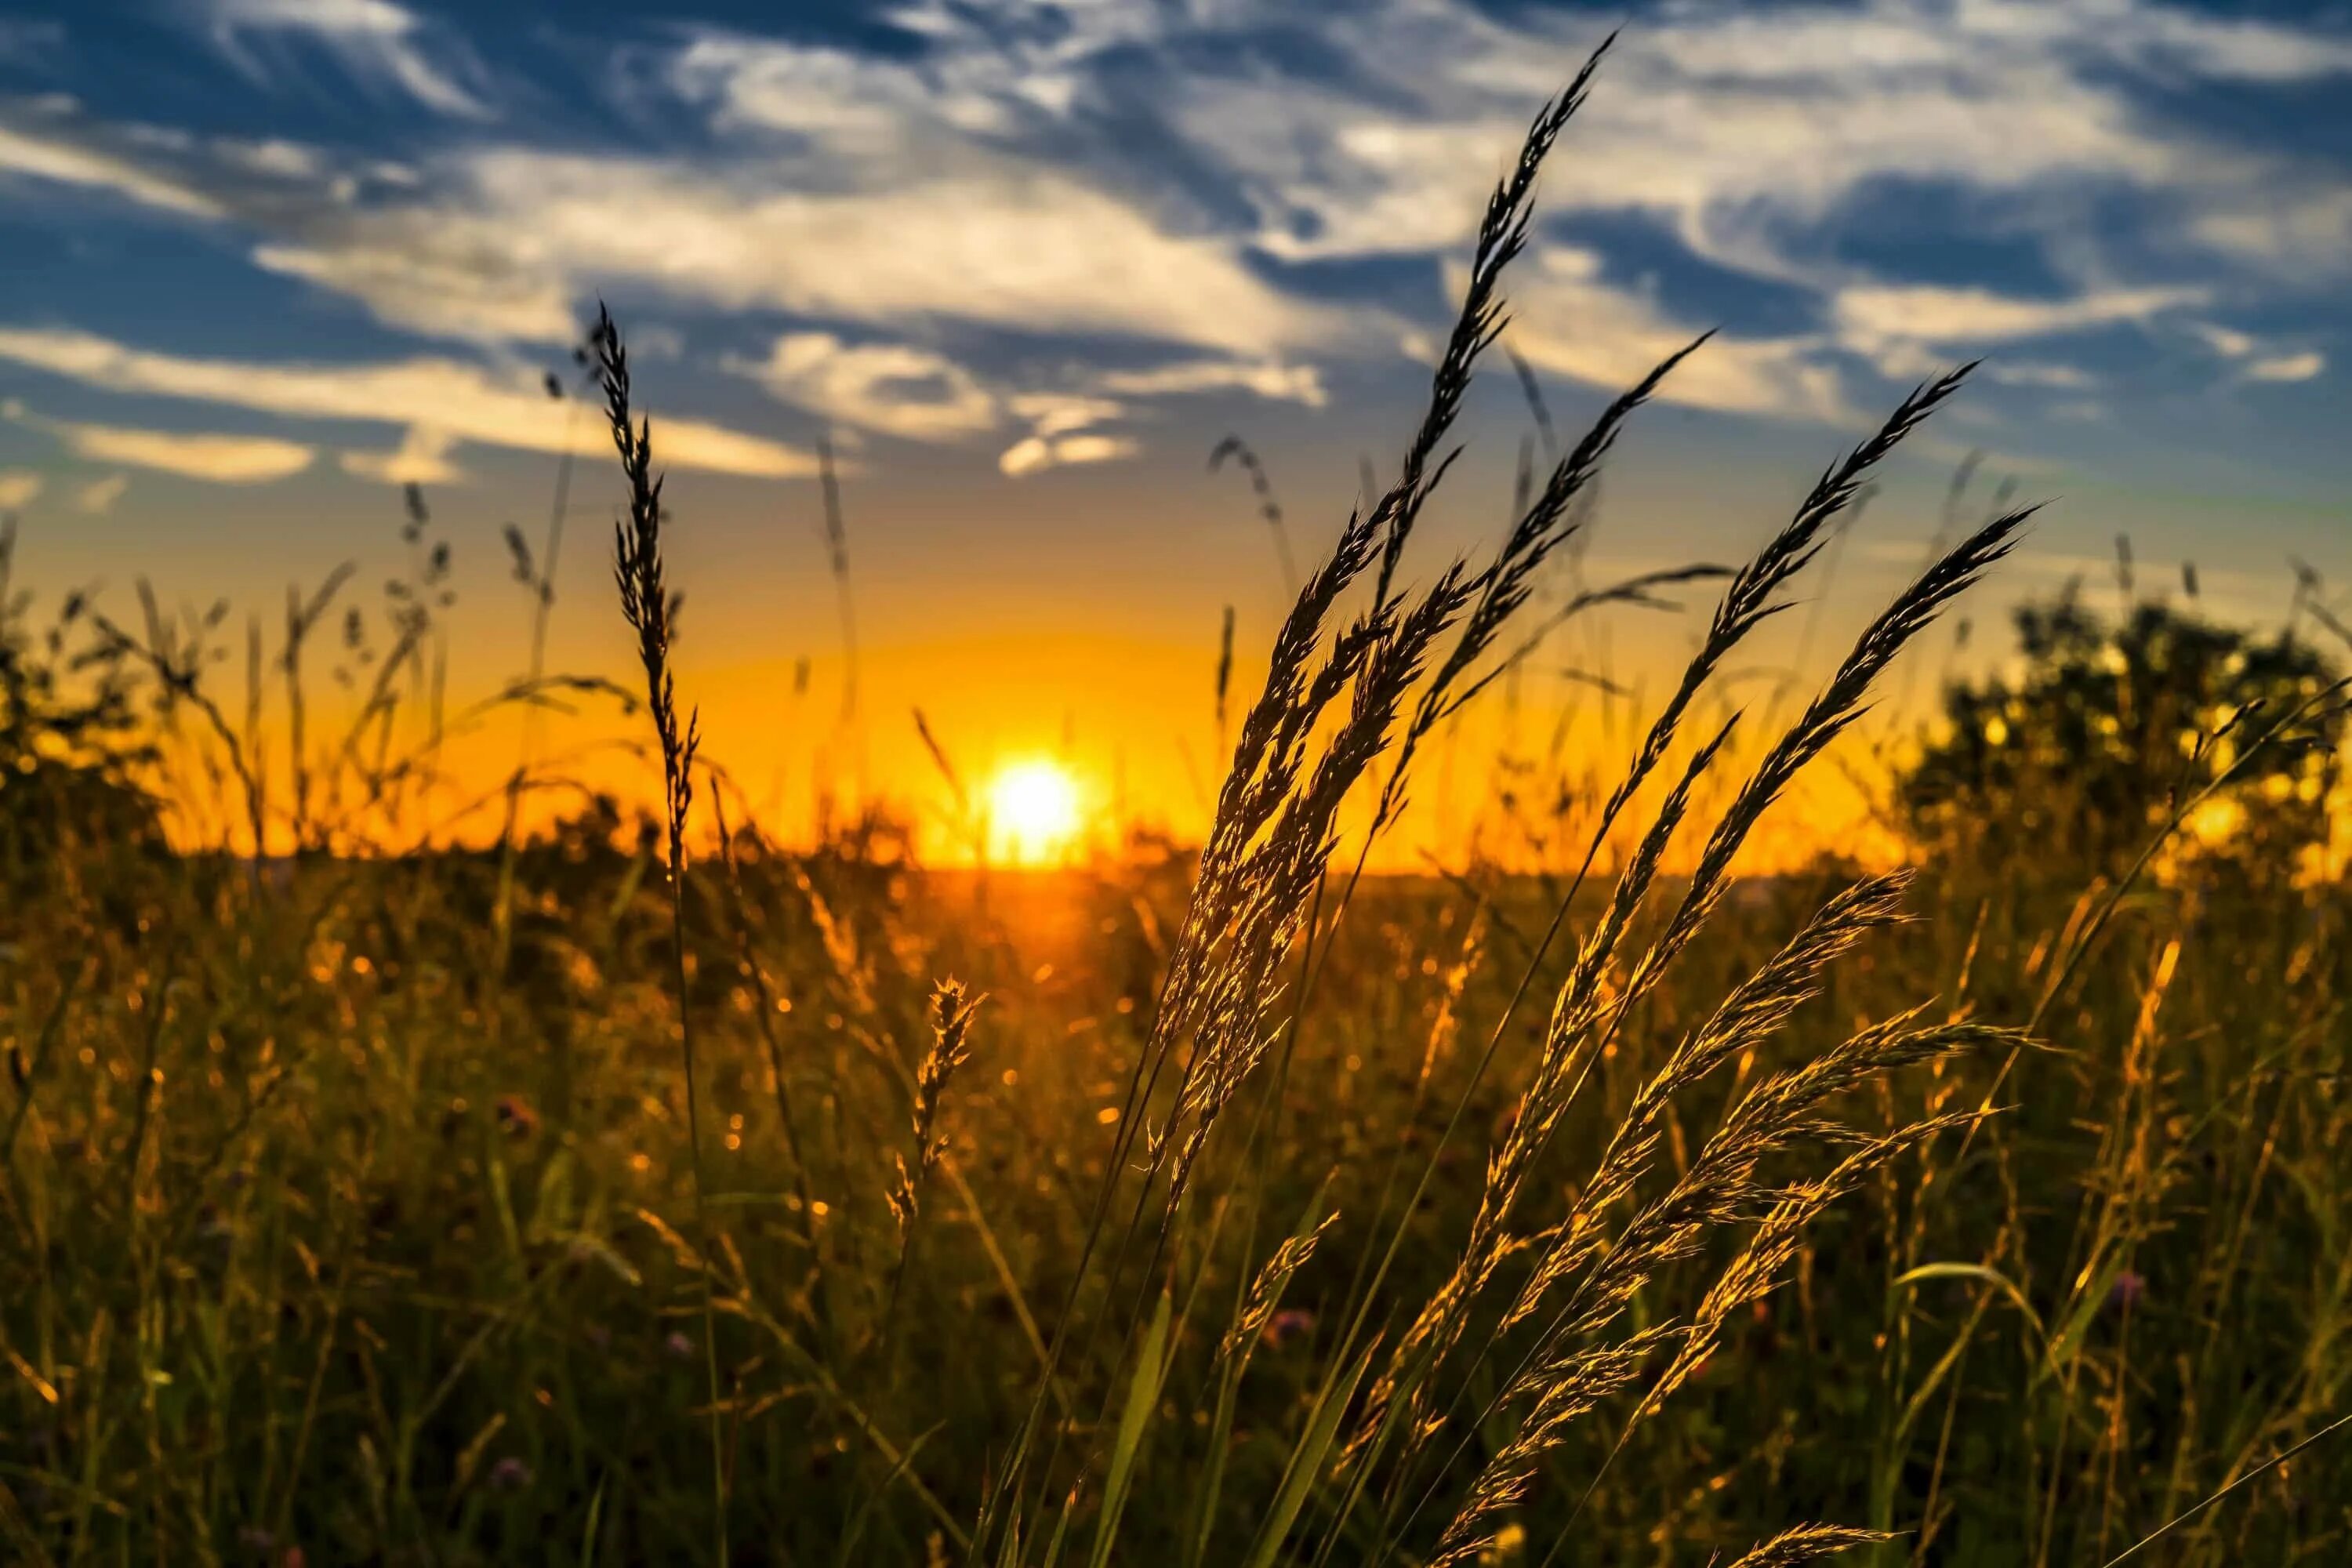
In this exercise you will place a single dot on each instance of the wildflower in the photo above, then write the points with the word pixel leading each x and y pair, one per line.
pixel 678 1345
pixel 509 1475
pixel 2126 1291
pixel 1289 1324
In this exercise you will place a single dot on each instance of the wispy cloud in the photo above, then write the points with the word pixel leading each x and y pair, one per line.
pixel 375 42
pixel 1275 382
pixel 421 458
pixel 1062 433
pixel 924 233
pixel 893 388
pixel 18 487
pixel 504 240
pixel 220 458
pixel 2301 366
pixel 452 399
pixel 2260 359
pixel 1747 130
pixel 1569 319
pixel 1944 315
pixel 1035 454
pixel 24 152
pixel 98 497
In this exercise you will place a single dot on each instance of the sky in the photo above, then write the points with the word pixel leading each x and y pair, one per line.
pixel 1025 264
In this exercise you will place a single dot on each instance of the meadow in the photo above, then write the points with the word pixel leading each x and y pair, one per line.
pixel 654 1189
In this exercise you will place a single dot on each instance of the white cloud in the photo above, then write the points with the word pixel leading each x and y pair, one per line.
pixel 2174 40
pixel 1274 382
pixel 1940 315
pixel 375 41
pixel 223 459
pixel 506 237
pixel 1063 434
pixel 2227 342
pixel 1745 129
pixel 1059 414
pixel 421 458
pixel 1035 454
pixel 1076 169
pixel 64 162
pixel 1568 318
pixel 2299 233
pixel 893 388
pixel 98 497
pixel 842 187
pixel 441 289
pixel 18 487
pixel 2258 360
pixel 2301 366
pixel 462 402
pixel 898 389
pixel 2036 373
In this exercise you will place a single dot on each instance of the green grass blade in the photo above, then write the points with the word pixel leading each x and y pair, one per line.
pixel 1142 1400
pixel 1306 1461
pixel 1979 1272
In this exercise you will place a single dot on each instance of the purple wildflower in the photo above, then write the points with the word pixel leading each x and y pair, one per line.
pixel 2126 1293
pixel 1290 1323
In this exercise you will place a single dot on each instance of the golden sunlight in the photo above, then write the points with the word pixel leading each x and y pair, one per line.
pixel 1035 812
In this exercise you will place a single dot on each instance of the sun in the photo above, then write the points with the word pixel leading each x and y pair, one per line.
pixel 1033 810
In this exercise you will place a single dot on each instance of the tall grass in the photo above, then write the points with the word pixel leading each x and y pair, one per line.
pixel 1987 1210
pixel 648 605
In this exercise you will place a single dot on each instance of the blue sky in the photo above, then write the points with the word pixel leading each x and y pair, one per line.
pixel 1010 225
pixel 1028 260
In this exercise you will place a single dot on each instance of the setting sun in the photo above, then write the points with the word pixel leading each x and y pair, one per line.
pixel 1033 809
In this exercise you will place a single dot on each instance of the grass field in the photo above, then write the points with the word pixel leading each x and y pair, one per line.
pixel 679 1195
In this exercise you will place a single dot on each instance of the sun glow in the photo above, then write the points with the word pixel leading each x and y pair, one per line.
pixel 1035 812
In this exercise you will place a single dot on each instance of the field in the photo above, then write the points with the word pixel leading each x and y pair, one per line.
pixel 659 1192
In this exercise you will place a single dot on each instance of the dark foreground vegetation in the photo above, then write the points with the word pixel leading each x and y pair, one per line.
pixel 652 1194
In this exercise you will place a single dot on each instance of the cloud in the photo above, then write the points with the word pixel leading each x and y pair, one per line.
pixel 2296 234
pixel 2035 373
pixel 439 289
pixel 892 388
pixel 421 458
pixel 2258 360
pixel 63 161
pixel 221 460
pixel 1941 315
pixel 18 487
pixel 838 187
pixel 1062 433
pixel 1133 170
pixel 458 401
pixel 506 238
pixel 2227 342
pixel 1745 129
pixel 98 497
pixel 375 42
pixel 1567 318
pixel 897 389
pixel 2301 366
pixel 1274 382
pixel 1035 454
